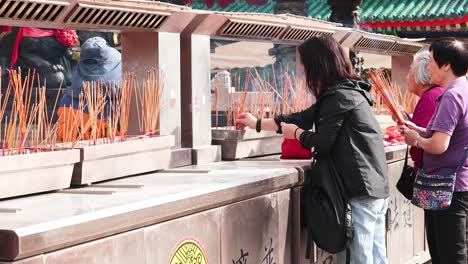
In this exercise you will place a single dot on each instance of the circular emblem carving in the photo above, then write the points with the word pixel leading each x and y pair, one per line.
pixel 189 252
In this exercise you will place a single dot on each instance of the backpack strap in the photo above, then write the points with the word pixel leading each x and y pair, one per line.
pixel 465 155
pixel 309 243
pixel 349 233
pixel 350 230
pixel 348 255
pixel 406 156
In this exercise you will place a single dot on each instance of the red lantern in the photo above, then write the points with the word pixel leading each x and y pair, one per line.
pixel 225 3
pixel 257 2
pixel 209 3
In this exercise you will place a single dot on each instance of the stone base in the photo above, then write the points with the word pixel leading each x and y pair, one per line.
pixel 102 162
pixel 180 157
pixel 36 172
pixel 206 154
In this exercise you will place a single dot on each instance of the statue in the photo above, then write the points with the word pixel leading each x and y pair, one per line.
pixel 45 51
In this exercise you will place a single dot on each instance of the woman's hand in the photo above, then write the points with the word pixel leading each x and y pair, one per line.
pixel 403 113
pixel 421 130
pixel 288 130
pixel 411 125
pixel 246 120
pixel 411 136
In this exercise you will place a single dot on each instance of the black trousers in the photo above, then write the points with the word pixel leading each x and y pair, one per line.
pixel 446 232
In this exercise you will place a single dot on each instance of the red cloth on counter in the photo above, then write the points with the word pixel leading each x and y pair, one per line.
pixel 292 149
pixel 393 136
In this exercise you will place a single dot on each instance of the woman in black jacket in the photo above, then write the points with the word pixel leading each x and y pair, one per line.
pixel 348 132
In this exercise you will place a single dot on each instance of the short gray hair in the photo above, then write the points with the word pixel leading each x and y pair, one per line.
pixel 419 67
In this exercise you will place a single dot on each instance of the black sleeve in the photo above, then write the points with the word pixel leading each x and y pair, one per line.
pixel 331 117
pixel 324 138
pixel 303 119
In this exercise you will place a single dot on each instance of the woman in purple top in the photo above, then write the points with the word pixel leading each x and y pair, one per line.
pixel 419 83
pixel 444 143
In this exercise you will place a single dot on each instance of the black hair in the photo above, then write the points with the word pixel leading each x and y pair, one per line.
pixel 449 51
pixel 325 63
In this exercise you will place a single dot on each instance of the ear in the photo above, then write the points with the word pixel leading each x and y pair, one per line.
pixel 446 67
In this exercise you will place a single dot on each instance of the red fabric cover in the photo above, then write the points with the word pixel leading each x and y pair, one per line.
pixel 27 32
pixel 67 37
pixel 5 29
pixel 292 149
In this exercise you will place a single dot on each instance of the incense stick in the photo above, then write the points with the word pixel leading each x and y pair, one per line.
pixel 388 91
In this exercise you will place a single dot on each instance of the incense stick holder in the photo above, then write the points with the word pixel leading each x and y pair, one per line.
pixel 36 172
pixel 102 160
pixel 237 144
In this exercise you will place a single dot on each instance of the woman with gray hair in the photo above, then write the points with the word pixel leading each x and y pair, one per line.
pixel 445 144
pixel 419 83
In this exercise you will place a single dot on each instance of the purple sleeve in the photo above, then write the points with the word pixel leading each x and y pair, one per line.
pixel 447 115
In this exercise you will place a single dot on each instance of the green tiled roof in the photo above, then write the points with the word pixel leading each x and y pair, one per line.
pixel 411 10
pixel 318 9
pixel 240 6
pixel 397 10
pixel 371 10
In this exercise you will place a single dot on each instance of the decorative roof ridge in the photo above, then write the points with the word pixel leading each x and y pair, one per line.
pixel 417 23
pixel 152 3
pixel 314 21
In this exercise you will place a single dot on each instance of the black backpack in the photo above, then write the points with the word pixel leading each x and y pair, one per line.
pixel 325 206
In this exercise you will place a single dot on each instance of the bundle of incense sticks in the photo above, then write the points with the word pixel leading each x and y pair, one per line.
pixel 125 99
pixel 260 102
pixel 301 98
pixel 389 92
pixel 149 102
pixel 216 101
pixel 28 128
pixel 92 100
pixel 118 110
pixel 102 113
pixel 265 99
pixel 409 102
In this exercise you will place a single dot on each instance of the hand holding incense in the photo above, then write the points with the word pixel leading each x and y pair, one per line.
pixel 389 92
